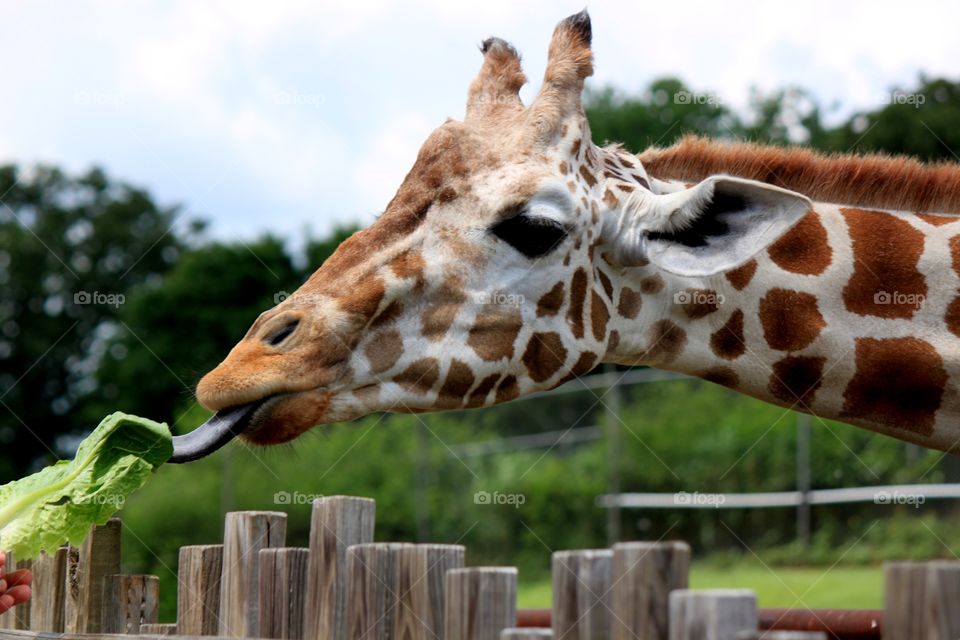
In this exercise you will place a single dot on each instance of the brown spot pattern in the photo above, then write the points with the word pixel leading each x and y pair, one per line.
pixel 364 299
pixel 953 317
pixel 791 320
pixel 804 248
pixel 578 298
pixel 599 316
pixel 886 250
pixel 899 382
pixel 955 253
pixel 408 265
pixel 479 395
pixel 508 389
pixel 588 177
pixel 630 302
pixel 390 313
pixel 493 334
pixel 544 355
pixel 651 284
pixel 742 275
pixel 457 383
pixel 549 304
pixel 721 375
pixel 383 351
pixel 420 375
pixel 937 220
pixel 666 342
pixel 438 316
pixel 613 341
pixel 584 364
pixel 610 199
pixel 698 303
pixel 796 379
pixel 606 284
pixel 728 342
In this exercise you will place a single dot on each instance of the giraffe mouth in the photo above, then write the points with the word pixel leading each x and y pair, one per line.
pixel 220 429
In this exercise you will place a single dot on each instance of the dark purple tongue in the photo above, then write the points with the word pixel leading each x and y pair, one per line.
pixel 220 429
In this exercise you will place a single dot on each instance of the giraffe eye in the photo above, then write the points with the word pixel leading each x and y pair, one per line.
pixel 531 236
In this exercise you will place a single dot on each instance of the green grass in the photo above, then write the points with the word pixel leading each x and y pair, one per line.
pixel 845 587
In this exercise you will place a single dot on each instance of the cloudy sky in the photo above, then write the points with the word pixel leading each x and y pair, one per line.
pixel 285 116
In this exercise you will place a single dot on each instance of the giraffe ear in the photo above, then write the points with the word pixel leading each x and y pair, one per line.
pixel 713 227
pixel 497 86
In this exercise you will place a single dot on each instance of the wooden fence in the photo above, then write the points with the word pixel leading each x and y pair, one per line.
pixel 344 586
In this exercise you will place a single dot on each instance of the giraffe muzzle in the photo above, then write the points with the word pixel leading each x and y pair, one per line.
pixel 213 434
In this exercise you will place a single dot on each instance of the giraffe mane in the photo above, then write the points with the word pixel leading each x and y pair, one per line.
pixel 883 181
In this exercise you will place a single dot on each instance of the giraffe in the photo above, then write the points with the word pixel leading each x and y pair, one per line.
pixel 517 255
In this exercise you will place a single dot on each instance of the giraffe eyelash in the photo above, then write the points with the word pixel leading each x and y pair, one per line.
pixel 532 236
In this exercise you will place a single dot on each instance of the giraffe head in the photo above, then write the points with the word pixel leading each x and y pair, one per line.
pixel 490 274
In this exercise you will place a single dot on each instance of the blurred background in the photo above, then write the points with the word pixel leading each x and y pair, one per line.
pixel 170 170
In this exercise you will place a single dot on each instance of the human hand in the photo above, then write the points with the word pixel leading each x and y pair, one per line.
pixel 14 586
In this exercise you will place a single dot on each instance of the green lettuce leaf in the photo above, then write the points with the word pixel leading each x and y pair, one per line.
pixel 61 502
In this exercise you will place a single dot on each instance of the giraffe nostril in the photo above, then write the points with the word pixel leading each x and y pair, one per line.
pixel 281 334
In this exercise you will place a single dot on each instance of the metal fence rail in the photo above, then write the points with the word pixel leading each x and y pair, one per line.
pixel 909 494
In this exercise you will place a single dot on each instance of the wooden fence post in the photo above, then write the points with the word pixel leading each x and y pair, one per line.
pixel 421 603
pixel 712 614
pixel 644 574
pixel 198 590
pixel 921 600
pixel 283 589
pixel 481 602
pixel 49 580
pixel 373 590
pixel 336 523
pixel 97 557
pixel 581 598
pixel 128 602
pixel 244 534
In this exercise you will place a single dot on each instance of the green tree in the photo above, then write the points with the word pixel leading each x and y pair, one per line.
pixel 71 249
pixel 659 115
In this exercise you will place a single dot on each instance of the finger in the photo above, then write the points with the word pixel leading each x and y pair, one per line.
pixel 3 586
pixel 19 594
pixel 21 576
pixel 6 601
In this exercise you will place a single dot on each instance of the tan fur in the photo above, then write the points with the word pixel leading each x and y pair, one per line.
pixel 882 181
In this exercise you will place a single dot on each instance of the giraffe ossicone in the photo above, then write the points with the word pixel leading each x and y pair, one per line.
pixel 517 255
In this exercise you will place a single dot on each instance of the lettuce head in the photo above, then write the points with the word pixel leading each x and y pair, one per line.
pixel 60 503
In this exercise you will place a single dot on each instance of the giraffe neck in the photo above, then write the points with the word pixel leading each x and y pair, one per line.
pixel 854 315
